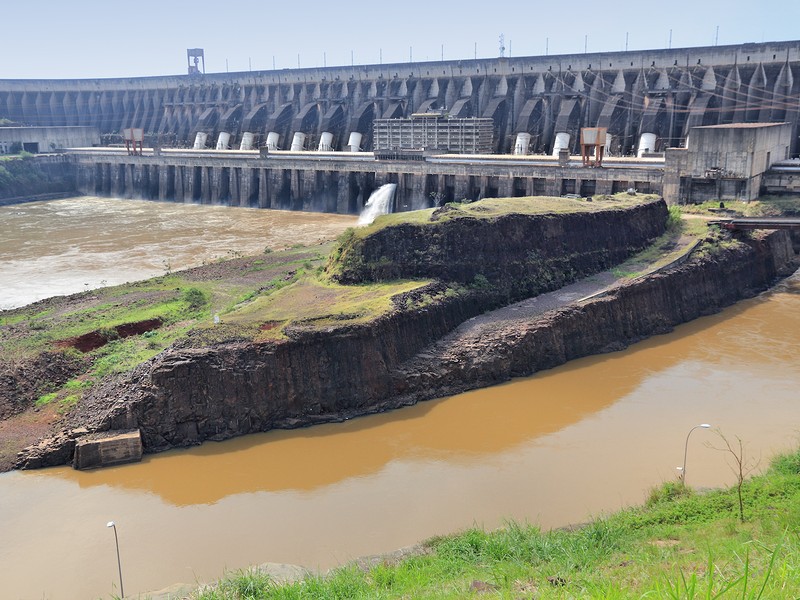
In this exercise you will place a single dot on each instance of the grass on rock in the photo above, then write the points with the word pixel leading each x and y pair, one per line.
pixel 497 207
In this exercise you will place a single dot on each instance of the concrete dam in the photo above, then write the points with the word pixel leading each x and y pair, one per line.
pixel 305 139
pixel 651 97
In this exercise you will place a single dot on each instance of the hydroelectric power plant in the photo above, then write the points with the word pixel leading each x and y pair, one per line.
pixel 319 138
pixel 391 316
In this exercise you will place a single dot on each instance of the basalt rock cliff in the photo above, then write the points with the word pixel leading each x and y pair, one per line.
pixel 522 255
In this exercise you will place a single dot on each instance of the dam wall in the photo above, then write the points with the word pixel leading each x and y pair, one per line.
pixel 342 182
pixel 658 94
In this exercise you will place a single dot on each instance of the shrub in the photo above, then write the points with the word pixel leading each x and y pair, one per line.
pixel 787 464
pixel 479 282
pixel 46 399
pixel 667 492
pixel 195 298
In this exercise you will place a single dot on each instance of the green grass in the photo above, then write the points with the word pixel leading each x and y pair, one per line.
pixel 765 206
pixel 311 299
pixel 495 207
pixel 46 399
pixel 681 544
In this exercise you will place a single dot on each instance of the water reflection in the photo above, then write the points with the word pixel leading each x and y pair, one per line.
pixel 308 459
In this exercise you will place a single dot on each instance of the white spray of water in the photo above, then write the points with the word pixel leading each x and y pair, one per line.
pixel 379 203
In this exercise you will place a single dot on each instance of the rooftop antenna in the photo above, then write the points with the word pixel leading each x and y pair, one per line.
pixel 502 45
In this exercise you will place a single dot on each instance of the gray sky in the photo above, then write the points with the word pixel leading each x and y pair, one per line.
pixel 111 38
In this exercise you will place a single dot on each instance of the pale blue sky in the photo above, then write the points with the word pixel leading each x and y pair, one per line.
pixel 109 38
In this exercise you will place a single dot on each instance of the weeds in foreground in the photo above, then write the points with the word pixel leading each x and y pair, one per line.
pixel 714 586
pixel 680 545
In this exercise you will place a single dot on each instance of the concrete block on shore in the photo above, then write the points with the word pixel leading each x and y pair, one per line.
pixel 108 448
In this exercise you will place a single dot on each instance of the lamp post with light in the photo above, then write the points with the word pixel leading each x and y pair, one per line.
pixel 686 450
pixel 119 563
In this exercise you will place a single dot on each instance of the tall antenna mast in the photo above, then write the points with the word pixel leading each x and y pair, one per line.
pixel 502 45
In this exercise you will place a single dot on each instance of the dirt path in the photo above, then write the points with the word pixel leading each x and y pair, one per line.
pixel 472 331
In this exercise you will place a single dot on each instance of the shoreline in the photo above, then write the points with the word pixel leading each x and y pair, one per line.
pixel 38 198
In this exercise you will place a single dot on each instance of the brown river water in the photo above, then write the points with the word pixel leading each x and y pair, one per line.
pixel 557 448
pixel 67 246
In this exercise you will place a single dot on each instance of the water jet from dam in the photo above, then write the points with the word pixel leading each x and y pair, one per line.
pixel 379 203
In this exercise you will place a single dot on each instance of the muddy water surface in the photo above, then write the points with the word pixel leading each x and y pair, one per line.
pixel 553 449
pixel 67 246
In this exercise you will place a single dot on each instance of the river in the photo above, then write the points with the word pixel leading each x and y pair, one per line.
pixel 557 448
pixel 67 246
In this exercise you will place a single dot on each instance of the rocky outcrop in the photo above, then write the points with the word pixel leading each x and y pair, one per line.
pixel 185 396
pixel 23 179
pixel 707 283
pixel 23 381
pixel 521 255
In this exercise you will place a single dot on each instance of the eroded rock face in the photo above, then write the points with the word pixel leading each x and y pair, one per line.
pixel 186 396
pixel 627 314
pixel 524 255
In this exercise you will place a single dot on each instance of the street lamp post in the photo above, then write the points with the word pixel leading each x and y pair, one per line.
pixel 119 563
pixel 686 449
